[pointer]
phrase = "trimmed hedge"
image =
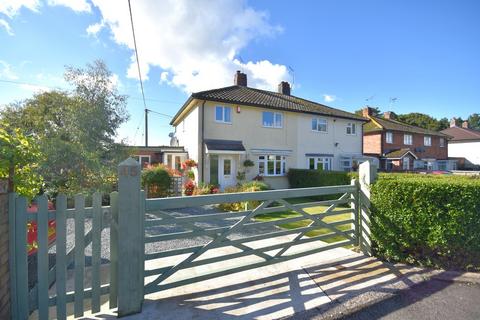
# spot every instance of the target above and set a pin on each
(157, 179)
(305, 178)
(428, 220)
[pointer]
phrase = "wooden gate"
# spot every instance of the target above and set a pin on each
(226, 224)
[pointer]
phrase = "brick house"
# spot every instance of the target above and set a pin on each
(171, 156)
(403, 147)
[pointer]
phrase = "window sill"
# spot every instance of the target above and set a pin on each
(272, 127)
(222, 122)
(317, 131)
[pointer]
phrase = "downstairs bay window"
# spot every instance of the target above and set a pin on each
(271, 165)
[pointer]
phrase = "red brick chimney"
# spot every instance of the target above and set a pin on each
(389, 115)
(284, 88)
(453, 122)
(366, 112)
(465, 124)
(240, 79)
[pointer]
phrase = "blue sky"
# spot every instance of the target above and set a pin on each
(424, 53)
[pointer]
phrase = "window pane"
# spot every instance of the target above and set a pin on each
(270, 166)
(314, 124)
(227, 167)
(214, 169)
(228, 114)
(349, 129)
(311, 163)
(219, 113)
(261, 166)
(268, 119)
(169, 161)
(353, 128)
(278, 120)
(278, 166)
(322, 125)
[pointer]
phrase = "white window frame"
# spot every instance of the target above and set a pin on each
(405, 140)
(263, 161)
(317, 125)
(223, 114)
(429, 139)
(353, 129)
(389, 137)
(274, 123)
(140, 156)
(442, 142)
(322, 160)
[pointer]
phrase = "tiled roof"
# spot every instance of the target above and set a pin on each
(461, 134)
(224, 145)
(267, 99)
(394, 125)
(398, 154)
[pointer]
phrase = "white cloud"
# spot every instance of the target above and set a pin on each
(329, 98)
(11, 7)
(75, 5)
(5, 25)
(34, 88)
(195, 41)
(6, 71)
(95, 28)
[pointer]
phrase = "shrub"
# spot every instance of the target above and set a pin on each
(430, 220)
(205, 189)
(305, 178)
(189, 188)
(251, 186)
(157, 180)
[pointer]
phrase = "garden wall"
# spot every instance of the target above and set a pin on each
(429, 220)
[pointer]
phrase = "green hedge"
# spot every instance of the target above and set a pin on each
(304, 178)
(429, 220)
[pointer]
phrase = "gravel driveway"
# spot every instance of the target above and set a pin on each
(156, 230)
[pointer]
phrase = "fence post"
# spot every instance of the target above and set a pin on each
(5, 263)
(130, 239)
(354, 205)
(367, 175)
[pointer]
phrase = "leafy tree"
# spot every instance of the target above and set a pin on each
(19, 156)
(376, 112)
(474, 121)
(421, 120)
(75, 130)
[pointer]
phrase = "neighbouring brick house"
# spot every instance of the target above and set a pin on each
(171, 156)
(403, 147)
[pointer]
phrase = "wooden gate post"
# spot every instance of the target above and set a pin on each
(130, 239)
(367, 175)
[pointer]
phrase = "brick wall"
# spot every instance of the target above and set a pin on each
(433, 152)
(4, 268)
(372, 143)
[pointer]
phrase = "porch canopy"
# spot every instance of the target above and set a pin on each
(399, 154)
(217, 146)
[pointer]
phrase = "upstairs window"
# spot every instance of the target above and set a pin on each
(351, 128)
(442, 142)
(319, 125)
(427, 141)
(223, 114)
(389, 137)
(272, 119)
(407, 139)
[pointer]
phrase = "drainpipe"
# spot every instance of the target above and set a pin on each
(202, 141)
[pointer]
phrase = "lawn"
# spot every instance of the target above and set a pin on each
(303, 223)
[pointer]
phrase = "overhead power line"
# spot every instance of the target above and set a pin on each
(139, 73)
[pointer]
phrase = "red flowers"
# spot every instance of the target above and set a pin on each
(189, 187)
(32, 230)
(188, 164)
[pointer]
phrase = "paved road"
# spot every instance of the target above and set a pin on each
(434, 299)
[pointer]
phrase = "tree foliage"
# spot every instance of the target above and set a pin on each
(423, 121)
(75, 130)
(19, 156)
(474, 121)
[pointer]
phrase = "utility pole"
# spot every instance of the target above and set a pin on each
(146, 127)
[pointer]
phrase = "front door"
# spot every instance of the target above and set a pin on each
(226, 171)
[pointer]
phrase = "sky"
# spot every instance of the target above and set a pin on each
(404, 56)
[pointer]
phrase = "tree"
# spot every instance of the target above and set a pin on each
(19, 156)
(376, 112)
(474, 121)
(421, 120)
(75, 130)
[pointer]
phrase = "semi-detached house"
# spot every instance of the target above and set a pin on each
(221, 128)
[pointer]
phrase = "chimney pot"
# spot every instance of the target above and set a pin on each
(284, 88)
(453, 122)
(390, 115)
(240, 79)
(465, 124)
(366, 112)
